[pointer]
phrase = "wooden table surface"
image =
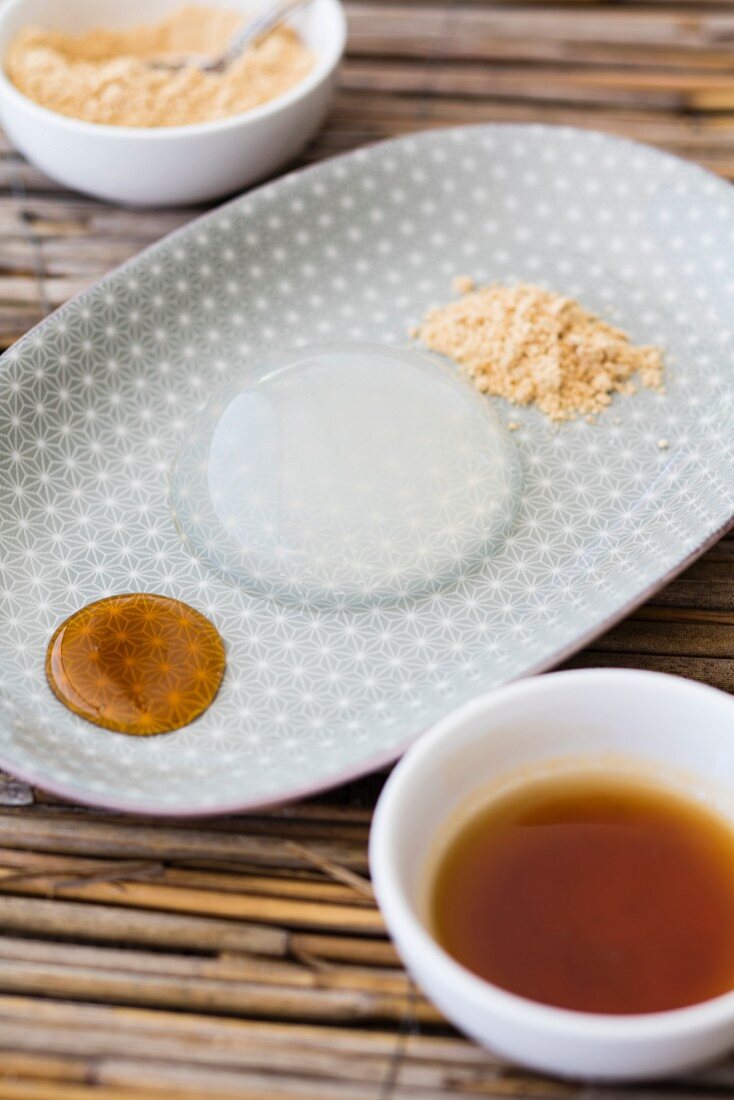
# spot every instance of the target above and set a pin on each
(245, 957)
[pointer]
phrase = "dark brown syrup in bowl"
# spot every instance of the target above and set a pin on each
(591, 893)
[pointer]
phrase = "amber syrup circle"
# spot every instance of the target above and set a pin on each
(138, 663)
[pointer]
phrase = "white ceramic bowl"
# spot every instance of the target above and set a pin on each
(166, 166)
(680, 732)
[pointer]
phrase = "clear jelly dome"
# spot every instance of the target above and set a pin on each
(346, 475)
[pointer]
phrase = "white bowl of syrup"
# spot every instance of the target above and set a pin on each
(555, 862)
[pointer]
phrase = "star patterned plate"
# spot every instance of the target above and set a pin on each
(97, 401)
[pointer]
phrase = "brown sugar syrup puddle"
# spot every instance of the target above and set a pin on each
(137, 663)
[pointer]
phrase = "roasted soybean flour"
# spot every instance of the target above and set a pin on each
(106, 76)
(533, 346)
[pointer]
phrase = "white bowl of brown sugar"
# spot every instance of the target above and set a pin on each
(80, 98)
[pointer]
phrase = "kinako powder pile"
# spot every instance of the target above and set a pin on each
(104, 76)
(532, 346)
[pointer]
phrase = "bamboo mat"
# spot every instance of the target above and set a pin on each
(245, 957)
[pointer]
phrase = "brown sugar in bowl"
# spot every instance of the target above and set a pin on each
(167, 165)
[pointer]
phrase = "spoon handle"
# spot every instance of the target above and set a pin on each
(261, 24)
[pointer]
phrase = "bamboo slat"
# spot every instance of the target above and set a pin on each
(684, 90)
(49, 829)
(492, 32)
(162, 898)
(61, 920)
(245, 958)
(717, 672)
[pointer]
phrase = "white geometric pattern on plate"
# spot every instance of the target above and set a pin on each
(97, 402)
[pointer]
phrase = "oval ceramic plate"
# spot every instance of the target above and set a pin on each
(96, 403)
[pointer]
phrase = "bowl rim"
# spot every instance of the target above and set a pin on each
(394, 805)
(325, 65)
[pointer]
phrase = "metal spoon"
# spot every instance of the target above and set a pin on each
(255, 28)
